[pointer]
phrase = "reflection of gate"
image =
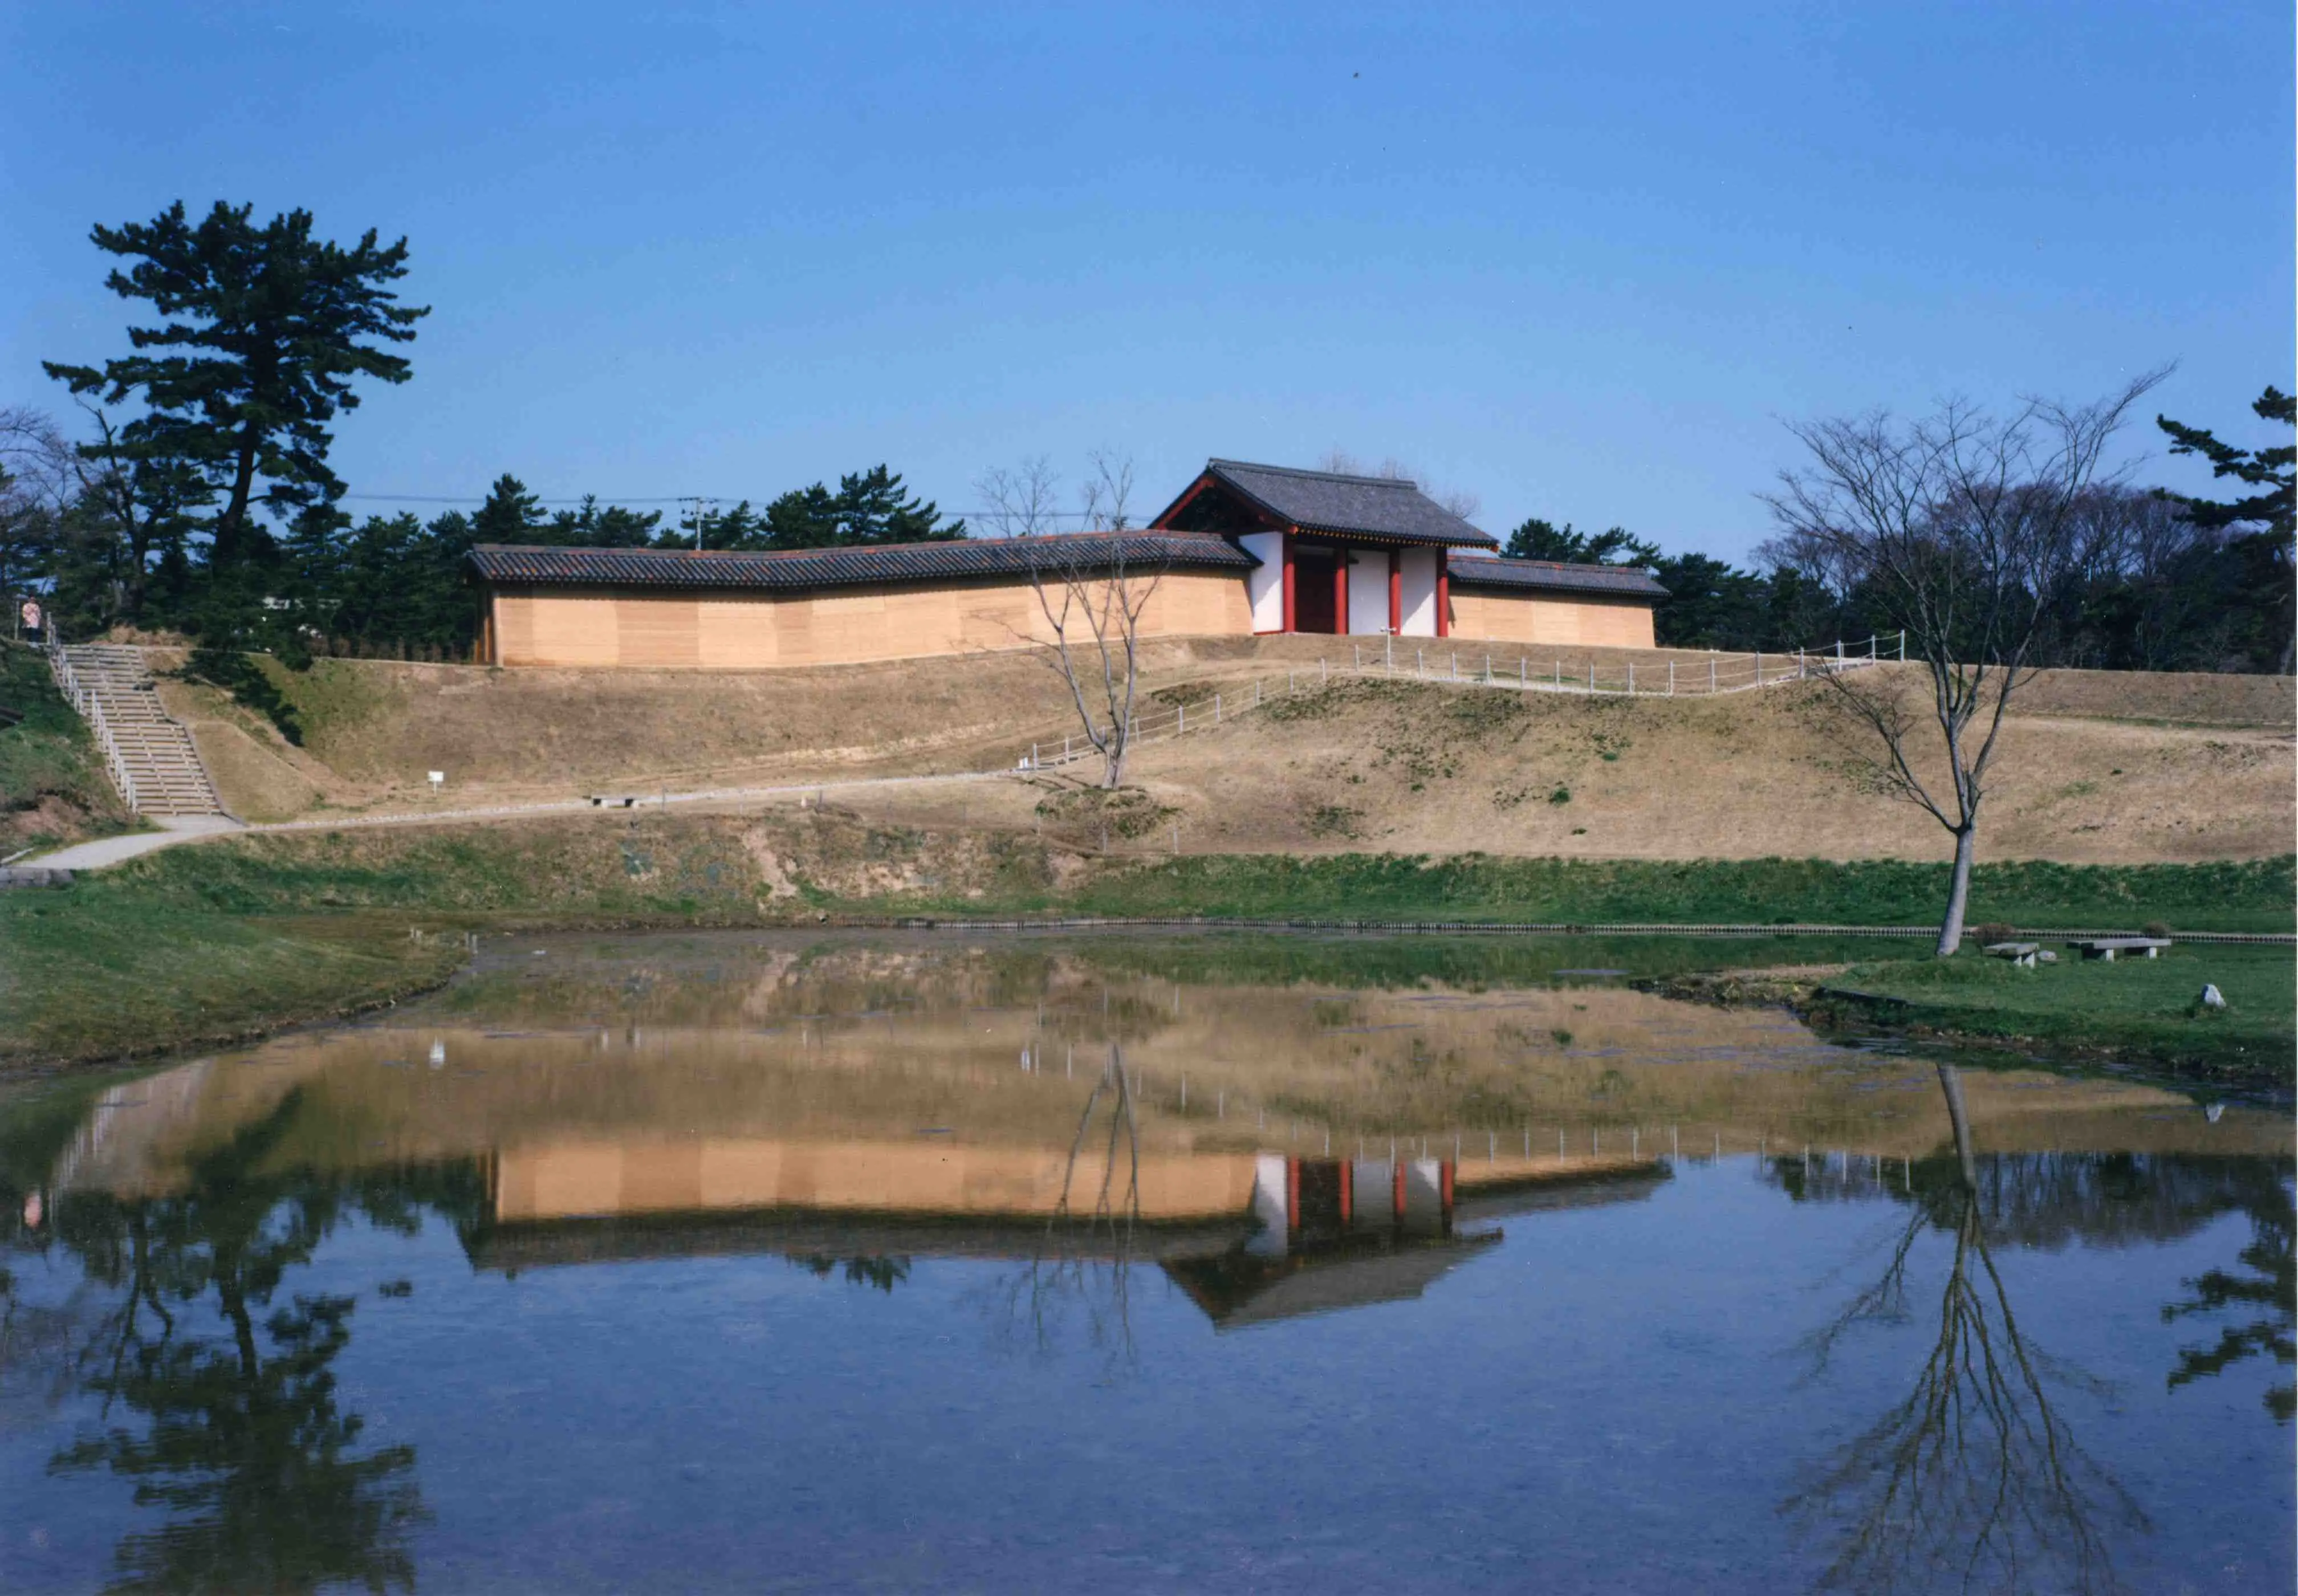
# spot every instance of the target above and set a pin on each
(1336, 1199)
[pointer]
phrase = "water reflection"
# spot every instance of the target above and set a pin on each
(1974, 1479)
(214, 1375)
(1108, 1167)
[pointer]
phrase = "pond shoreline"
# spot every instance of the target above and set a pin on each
(1832, 1010)
(1844, 1012)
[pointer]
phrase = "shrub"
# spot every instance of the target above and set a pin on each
(1992, 932)
(2154, 928)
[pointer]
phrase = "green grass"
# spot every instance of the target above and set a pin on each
(52, 786)
(196, 944)
(106, 975)
(2222, 897)
(2142, 1010)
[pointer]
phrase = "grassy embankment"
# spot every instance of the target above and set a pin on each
(53, 786)
(200, 944)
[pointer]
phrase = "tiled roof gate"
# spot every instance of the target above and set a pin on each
(1389, 508)
(804, 569)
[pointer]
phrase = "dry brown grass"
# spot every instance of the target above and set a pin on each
(2097, 768)
(1420, 769)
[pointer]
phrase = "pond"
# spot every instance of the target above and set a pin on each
(773, 1261)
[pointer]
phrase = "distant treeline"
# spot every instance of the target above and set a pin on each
(2158, 582)
(397, 586)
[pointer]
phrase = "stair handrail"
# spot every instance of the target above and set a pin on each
(82, 697)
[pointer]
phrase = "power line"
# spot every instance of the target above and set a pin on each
(606, 502)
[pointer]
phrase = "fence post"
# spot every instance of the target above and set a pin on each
(1839, 650)
(1455, 665)
(1033, 755)
(1631, 678)
(1356, 657)
(1523, 672)
(1488, 670)
(1560, 675)
(1711, 674)
(1759, 667)
(1874, 644)
(1216, 709)
(1591, 676)
(1181, 724)
(1670, 678)
(1903, 645)
(1321, 674)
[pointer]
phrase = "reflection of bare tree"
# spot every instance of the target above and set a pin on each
(1085, 1260)
(1974, 1477)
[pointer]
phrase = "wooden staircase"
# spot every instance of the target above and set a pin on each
(151, 758)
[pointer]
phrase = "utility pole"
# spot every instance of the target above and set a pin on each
(701, 509)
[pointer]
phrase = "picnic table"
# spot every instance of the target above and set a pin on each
(2107, 947)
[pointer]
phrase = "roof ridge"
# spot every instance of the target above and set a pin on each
(1369, 481)
(1553, 564)
(829, 549)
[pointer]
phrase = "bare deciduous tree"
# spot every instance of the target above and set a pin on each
(1091, 590)
(1964, 528)
(1461, 503)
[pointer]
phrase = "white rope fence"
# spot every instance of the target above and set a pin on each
(1449, 666)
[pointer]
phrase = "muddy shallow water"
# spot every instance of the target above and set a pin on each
(856, 1261)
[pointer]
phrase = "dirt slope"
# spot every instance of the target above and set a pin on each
(2096, 767)
(1405, 767)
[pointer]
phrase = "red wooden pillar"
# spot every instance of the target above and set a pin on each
(1293, 1193)
(1396, 591)
(1448, 1186)
(1443, 594)
(1396, 1199)
(1288, 582)
(1341, 591)
(1348, 1194)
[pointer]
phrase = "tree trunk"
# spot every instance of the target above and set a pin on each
(229, 525)
(1958, 895)
(1959, 1118)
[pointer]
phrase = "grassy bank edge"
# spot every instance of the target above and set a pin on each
(222, 943)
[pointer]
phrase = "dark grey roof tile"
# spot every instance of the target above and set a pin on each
(1381, 507)
(1515, 574)
(799, 569)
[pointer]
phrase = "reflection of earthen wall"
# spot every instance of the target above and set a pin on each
(744, 631)
(1587, 623)
(572, 1179)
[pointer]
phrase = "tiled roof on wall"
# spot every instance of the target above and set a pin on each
(797, 569)
(1381, 506)
(1514, 576)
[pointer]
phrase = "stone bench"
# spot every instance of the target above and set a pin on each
(2107, 947)
(612, 800)
(2025, 955)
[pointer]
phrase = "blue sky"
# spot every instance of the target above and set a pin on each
(1579, 261)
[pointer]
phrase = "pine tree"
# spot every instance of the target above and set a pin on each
(263, 330)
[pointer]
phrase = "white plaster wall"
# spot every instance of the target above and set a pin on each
(1418, 579)
(1264, 588)
(1270, 1191)
(1368, 590)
